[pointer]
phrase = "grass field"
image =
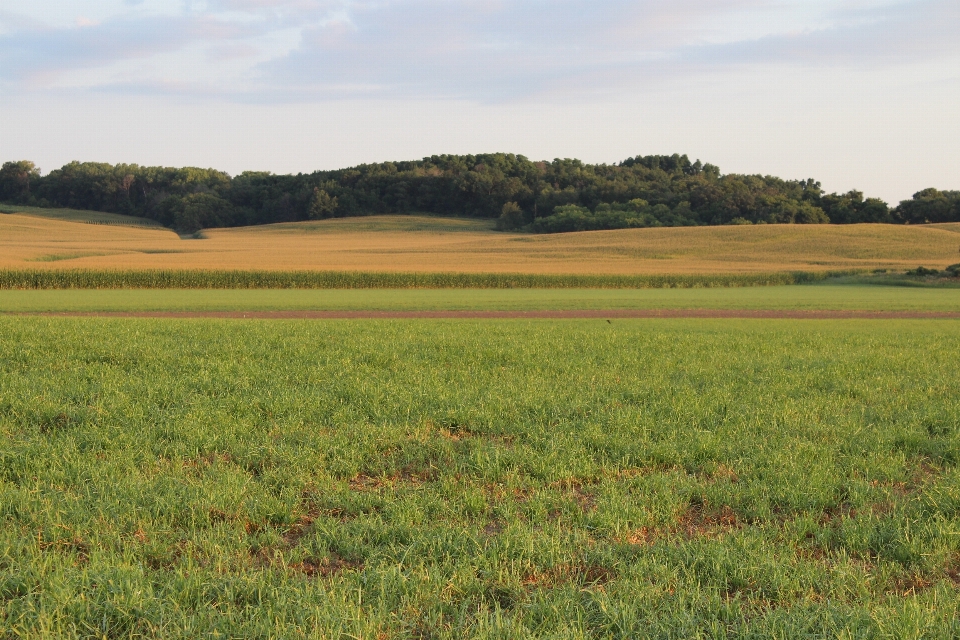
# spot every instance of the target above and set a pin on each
(424, 244)
(844, 297)
(451, 479)
(464, 478)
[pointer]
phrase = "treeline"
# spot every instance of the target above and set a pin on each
(563, 195)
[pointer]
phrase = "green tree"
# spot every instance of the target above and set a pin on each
(851, 208)
(673, 191)
(15, 179)
(930, 205)
(511, 217)
(201, 210)
(808, 214)
(322, 205)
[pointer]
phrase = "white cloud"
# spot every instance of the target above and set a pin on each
(483, 50)
(858, 93)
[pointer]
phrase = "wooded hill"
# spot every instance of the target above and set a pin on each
(562, 195)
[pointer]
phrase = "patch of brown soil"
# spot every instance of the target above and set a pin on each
(953, 570)
(724, 473)
(523, 494)
(575, 488)
(696, 522)
(365, 482)
(72, 543)
(299, 529)
(568, 573)
(814, 553)
(645, 536)
(327, 567)
(700, 521)
(197, 466)
(835, 514)
(218, 515)
(332, 565)
(910, 585)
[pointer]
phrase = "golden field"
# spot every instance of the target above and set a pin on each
(428, 244)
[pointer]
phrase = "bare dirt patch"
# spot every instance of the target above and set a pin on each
(327, 567)
(568, 573)
(699, 521)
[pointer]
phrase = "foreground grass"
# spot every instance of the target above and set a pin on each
(448, 479)
(870, 298)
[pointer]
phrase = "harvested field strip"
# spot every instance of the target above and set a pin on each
(797, 314)
(436, 245)
(195, 279)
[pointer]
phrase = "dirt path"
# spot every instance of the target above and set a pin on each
(800, 314)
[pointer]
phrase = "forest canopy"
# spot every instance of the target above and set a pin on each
(542, 197)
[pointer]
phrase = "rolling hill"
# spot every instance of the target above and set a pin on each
(430, 244)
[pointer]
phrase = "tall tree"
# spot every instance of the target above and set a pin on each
(15, 179)
(322, 205)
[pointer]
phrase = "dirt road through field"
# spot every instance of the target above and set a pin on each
(609, 314)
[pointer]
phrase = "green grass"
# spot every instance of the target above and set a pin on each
(392, 222)
(57, 257)
(783, 297)
(80, 215)
(944, 280)
(195, 279)
(452, 479)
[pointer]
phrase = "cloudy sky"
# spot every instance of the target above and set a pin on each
(858, 93)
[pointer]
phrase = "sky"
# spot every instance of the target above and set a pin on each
(859, 94)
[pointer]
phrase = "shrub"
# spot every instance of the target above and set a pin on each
(922, 271)
(511, 217)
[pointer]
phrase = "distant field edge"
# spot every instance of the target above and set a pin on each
(221, 279)
(565, 314)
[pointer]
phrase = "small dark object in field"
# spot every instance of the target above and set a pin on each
(923, 271)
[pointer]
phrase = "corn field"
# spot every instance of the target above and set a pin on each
(193, 279)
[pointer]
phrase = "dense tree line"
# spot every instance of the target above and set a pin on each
(563, 195)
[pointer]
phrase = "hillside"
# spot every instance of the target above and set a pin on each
(429, 244)
(80, 215)
(562, 195)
